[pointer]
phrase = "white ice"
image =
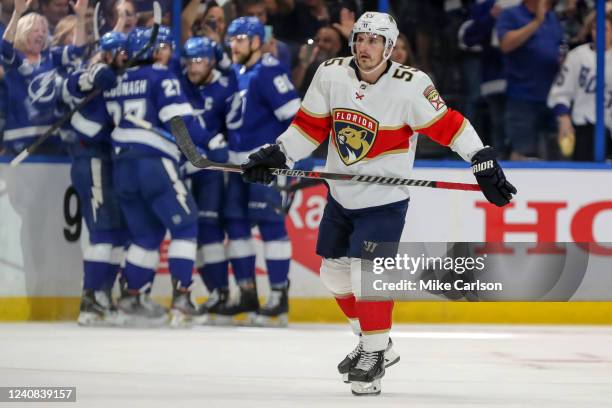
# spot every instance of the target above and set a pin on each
(441, 366)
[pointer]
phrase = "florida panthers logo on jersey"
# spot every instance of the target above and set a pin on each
(354, 134)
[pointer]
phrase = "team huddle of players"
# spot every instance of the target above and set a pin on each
(134, 186)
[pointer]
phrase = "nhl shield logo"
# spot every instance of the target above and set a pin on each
(354, 134)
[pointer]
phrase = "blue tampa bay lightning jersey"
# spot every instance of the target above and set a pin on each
(269, 104)
(92, 124)
(34, 90)
(216, 105)
(152, 93)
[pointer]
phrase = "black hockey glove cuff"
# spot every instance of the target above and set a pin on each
(256, 170)
(491, 178)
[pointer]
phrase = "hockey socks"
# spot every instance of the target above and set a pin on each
(374, 316)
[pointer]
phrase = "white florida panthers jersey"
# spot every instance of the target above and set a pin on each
(574, 89)
(373, 128)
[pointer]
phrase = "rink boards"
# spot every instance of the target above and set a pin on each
(40, 235)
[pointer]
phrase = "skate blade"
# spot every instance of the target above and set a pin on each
(90, 319)
(180, 320)
(221, 320)
(143, 322)
(360, 389)
(281, 320)
(391, 358)
(245, 319)
(345, 378)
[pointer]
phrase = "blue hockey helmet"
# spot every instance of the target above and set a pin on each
(199, 47)
(249, 26)
(113, 42)
(137, 39)
(164, 36)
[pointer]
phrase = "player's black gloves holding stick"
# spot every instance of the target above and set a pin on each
(256, 170)
(491, 178)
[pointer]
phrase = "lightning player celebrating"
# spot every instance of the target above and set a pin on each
(372, 107)
(152, 196)
(217, 104)
(92, 177)
(270, 102)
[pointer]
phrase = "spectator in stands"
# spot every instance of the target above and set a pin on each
(278, 48)
(326, 45)
(203, 19)
(64, 31)
(530, 37)
(402, 53)
(572, 97)
(296, 21)
(480, 32)
(54, 10)
(30, 69)
(120, 16)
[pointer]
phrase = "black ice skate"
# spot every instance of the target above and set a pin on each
(366, 375)
(208, 310)
(182, 311)
(97, 309)
(274, 312)
(248, 303)
(391, 357)
(138, 309)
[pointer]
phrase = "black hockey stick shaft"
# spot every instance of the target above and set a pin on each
(189, 149)
(61, 121)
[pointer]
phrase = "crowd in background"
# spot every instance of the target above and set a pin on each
(493, 60)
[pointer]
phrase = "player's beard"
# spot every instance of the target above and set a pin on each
(244, 58)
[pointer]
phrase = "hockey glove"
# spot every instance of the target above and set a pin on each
(98, 76)
(217, 149)
(491, 178)
(257, 169)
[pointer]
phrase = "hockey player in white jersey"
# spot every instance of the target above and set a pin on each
(572, 97)
(371, 109)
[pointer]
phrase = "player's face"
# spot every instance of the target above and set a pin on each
(120, 59)
(198, 70)
(369, 50)
(241, 49)
(163, 53)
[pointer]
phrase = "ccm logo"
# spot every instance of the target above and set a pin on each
(545, 225)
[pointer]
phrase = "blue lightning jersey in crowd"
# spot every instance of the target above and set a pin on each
(269, 104)
(33, 91)
(217, 105)
(92, 124)
(152, 93)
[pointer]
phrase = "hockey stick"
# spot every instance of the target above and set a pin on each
(96, 22)
(131, 62)
(145, 124)
(189, 149)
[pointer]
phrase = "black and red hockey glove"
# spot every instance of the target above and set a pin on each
(491, 178)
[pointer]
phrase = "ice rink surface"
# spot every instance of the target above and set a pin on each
(441, 366)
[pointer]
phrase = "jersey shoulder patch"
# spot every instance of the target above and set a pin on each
(269, 60)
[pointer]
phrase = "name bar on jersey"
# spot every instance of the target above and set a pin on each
(128, 88)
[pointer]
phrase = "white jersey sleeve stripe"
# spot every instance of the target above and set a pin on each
(288, 110)
(175, 109)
